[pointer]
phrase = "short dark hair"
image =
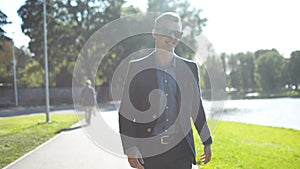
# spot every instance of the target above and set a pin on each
(167, 16)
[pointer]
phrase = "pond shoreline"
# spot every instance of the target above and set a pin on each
(237, 95)
(275, 112)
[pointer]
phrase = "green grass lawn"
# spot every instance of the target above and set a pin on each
(19, 135)
(237, 145)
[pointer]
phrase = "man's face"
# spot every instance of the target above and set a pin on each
(167, 35)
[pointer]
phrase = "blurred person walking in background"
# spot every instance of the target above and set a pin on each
(88, 100)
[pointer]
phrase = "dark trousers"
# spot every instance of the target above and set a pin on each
(88, 114)
(179, 157)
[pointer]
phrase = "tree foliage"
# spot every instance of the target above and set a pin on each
(69, 23)
(6, 66)
(269, 70)
(263, 69)
(294, 67)
(3, 21)
(210, 70)
(6, 62)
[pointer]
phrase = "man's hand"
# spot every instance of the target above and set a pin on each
(135, 160)
(206, 156)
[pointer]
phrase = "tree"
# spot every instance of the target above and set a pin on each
(234, 73)
(247, 71)
(5, 53)
(32, 15)
(3, 21)
(240, 70)
(212, 71)
(6, 66)
(137, 43)
(269, 70)
(260, 52)
(33, 74)
(70, 23)
(294, 67)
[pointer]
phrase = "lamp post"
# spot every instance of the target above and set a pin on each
(46, 64)
(15, 72)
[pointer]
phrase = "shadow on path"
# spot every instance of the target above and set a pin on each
(70, 129)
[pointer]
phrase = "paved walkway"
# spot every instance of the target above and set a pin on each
(97, 146)
(73, 149)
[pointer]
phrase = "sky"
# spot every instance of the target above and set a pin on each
(233, 26)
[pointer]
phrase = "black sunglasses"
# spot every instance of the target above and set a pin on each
(169, 33)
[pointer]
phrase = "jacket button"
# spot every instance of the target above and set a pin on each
(149, 130)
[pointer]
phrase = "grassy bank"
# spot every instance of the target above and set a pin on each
(19, 135)
(238, 145)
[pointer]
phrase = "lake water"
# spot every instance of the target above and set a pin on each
(280, 112)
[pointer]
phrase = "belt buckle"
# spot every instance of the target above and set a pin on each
(162, 139)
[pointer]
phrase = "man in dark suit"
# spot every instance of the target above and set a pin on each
(88, 100)
(161, 95)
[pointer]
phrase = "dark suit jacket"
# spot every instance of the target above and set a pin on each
(88, 97)
(136, 112)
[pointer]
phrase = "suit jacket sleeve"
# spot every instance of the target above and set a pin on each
(126, 119)
(198, 115)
